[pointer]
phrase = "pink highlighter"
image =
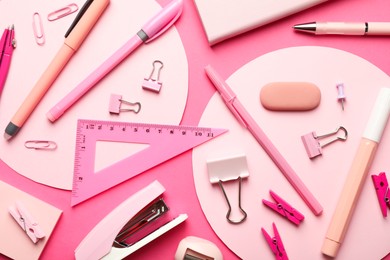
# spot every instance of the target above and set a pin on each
(357, 174)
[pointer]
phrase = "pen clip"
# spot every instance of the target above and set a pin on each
(78, 17)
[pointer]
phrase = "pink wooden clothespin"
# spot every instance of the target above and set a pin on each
(26, 222)
(382, 191)
(314, 147)
(275, 243)
(284, 209)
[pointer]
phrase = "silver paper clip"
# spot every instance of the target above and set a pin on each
(62, 12)
(153, 84)
(115, 105)
(40, 145)
(39, 34)
(313, 146)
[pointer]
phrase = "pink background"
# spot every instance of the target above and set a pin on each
(177, 175)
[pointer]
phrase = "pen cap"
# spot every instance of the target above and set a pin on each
(379, 116)
(85, 20)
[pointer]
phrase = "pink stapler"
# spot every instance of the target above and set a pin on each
(22, 216)
(275, 243)
(382, 191)
(284, 209)
(137, 221)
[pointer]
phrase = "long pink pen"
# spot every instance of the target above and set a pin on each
(151, 30)
(248, 122)
(9, 43)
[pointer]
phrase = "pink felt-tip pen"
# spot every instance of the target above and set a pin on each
(357, 174)
(249, 123)
(151, 30)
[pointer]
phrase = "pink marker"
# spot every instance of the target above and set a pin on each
(357, 174)
(248, 122)
(152, 29)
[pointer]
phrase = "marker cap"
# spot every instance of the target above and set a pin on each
(379, 116)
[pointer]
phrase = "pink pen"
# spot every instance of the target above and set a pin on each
(248, 122)
(150, 31)
(8, 45)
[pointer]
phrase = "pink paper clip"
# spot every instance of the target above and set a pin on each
(275, 243)
(312, 145)
(382, 191)
(62, 12)
(284, 209)
(116, 102)
(40, 145)
(153, 84)
(26, 222)
(39, 34)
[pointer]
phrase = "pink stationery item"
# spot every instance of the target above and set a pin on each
(361, 164)
(7, 46)
(197, 248)
(164, 142)
(229, 169)
(382, 191)
(340, 94)
(153, 83)
(116, 102)
(155, 27)
(313, 146)
(284, 209)
(290, 96)
(62, 12)
(109, 238)
(225, 19)
(27, 222)
(275, 243)
(345, 28)
(247, 121)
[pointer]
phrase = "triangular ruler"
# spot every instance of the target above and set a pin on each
(165, 142)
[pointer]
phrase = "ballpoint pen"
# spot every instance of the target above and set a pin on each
(248, 122)
(343, 28)
(7, 44)
(156, 26)
(74, 37)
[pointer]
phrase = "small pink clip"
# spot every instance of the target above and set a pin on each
(382, 191)
(313, 146)
(116, 102)
(284, 209)
(40, 145)
(62, 12)
(26, 222)
(153, 84)
(39, 34)
(275, 243)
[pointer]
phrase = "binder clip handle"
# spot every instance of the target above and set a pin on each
(337, 138)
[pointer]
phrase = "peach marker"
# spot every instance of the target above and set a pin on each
(357, 174)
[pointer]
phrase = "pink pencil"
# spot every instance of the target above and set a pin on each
(248, 122)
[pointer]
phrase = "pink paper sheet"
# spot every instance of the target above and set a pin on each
(324, 176)
(55, 168)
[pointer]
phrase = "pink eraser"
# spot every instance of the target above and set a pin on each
(290, 96)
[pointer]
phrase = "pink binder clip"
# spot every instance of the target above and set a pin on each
(382, 191)
(26, 222)
(275, 243)
(313, 146)
(151, 83)
(284, 209)
(116, 102)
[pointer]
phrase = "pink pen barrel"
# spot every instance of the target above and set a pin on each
(80, 90)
